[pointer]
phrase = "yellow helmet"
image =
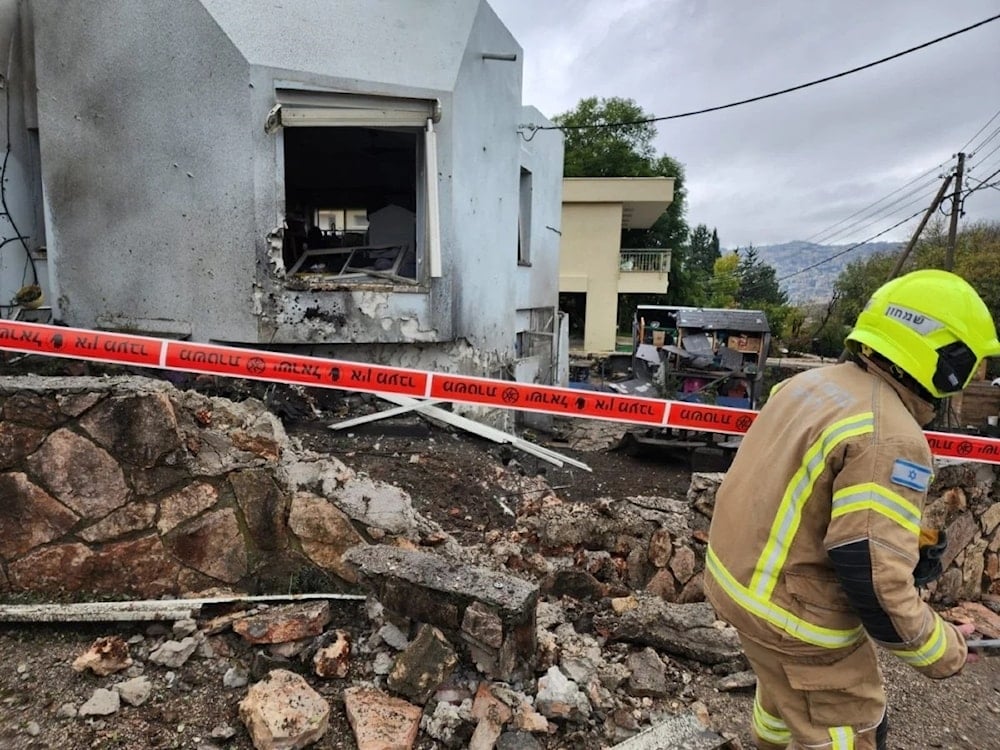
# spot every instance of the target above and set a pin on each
(932, 325)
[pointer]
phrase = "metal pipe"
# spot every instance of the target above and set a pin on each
(983, 643)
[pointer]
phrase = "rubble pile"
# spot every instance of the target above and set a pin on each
(287, 666)
(582, 625)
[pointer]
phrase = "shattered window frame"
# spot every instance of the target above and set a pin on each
(403, 248)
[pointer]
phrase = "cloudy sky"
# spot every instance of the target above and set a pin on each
(799, 165)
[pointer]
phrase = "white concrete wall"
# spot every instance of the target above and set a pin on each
(21, 181)
(147, 153)
(161, 184)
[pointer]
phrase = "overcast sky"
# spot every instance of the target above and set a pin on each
(793, 166)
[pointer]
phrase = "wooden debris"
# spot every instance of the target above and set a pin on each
(476, 428)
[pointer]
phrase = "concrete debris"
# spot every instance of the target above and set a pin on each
(680, 733)
(744, 680)
(576, 620)
(688, 630)
(101, 703)
(282, 712)
(291, 622)
(105, 656)
(425, 664)
(426, 588)
(381, 721)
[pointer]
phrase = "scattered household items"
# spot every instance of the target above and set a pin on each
(699, 355)
(705, 355)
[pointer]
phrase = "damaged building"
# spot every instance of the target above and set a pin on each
(341, 176)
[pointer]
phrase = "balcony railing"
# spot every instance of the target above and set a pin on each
(644, 261)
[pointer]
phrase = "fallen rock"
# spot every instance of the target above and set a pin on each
(380, 721)
(105, 656)
(103, 702)
(423, 666)
(173, 654)
(291, 622)
(689, 630)
(136, 691)
(334, 660)
(282, 712)
(737, 681)
(560, 698)
(649, 674)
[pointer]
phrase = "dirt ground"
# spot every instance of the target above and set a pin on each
(451, 483)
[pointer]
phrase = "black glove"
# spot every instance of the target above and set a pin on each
(929, 568)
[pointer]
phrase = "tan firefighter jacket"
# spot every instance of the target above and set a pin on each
(815, 531)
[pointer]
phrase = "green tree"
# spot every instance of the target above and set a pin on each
(596, 145)
(759, 289)
(703, 250)
(977, 260)
(725, 281)
(858, 280)
(758, 281)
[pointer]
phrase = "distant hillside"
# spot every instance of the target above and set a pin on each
(815, 284)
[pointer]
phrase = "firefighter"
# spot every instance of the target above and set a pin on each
(815, 532)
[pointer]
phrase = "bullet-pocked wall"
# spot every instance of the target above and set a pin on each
(169, 203)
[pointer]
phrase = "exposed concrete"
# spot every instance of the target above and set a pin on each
(490, 613)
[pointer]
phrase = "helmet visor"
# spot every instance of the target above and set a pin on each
(955, 365)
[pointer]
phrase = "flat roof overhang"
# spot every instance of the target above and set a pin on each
(643, 199)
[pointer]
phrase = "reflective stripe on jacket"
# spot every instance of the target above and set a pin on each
(836, 460)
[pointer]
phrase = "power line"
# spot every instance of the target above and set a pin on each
(982, 184)
(987, 156)
(738, 275)
(901, 203)
(982, 144)
(852, 247)
(966, 146)
(773, 94)
(828, 232)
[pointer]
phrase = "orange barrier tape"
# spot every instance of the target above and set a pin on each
(292, 368)
(145, 351)
(548, 399)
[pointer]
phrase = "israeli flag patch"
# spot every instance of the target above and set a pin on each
(909, 474)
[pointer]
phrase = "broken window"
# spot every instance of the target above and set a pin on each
(360, 187)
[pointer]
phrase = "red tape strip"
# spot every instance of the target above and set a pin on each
(145, 351)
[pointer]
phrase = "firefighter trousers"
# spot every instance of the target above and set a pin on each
(804, 705)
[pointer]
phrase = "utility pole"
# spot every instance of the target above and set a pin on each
(923, 223)
(956, 203)
(913, 241)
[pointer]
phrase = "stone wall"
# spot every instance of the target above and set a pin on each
(962, 501)
(131, 487)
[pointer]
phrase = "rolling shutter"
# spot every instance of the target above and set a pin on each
(322, 110)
